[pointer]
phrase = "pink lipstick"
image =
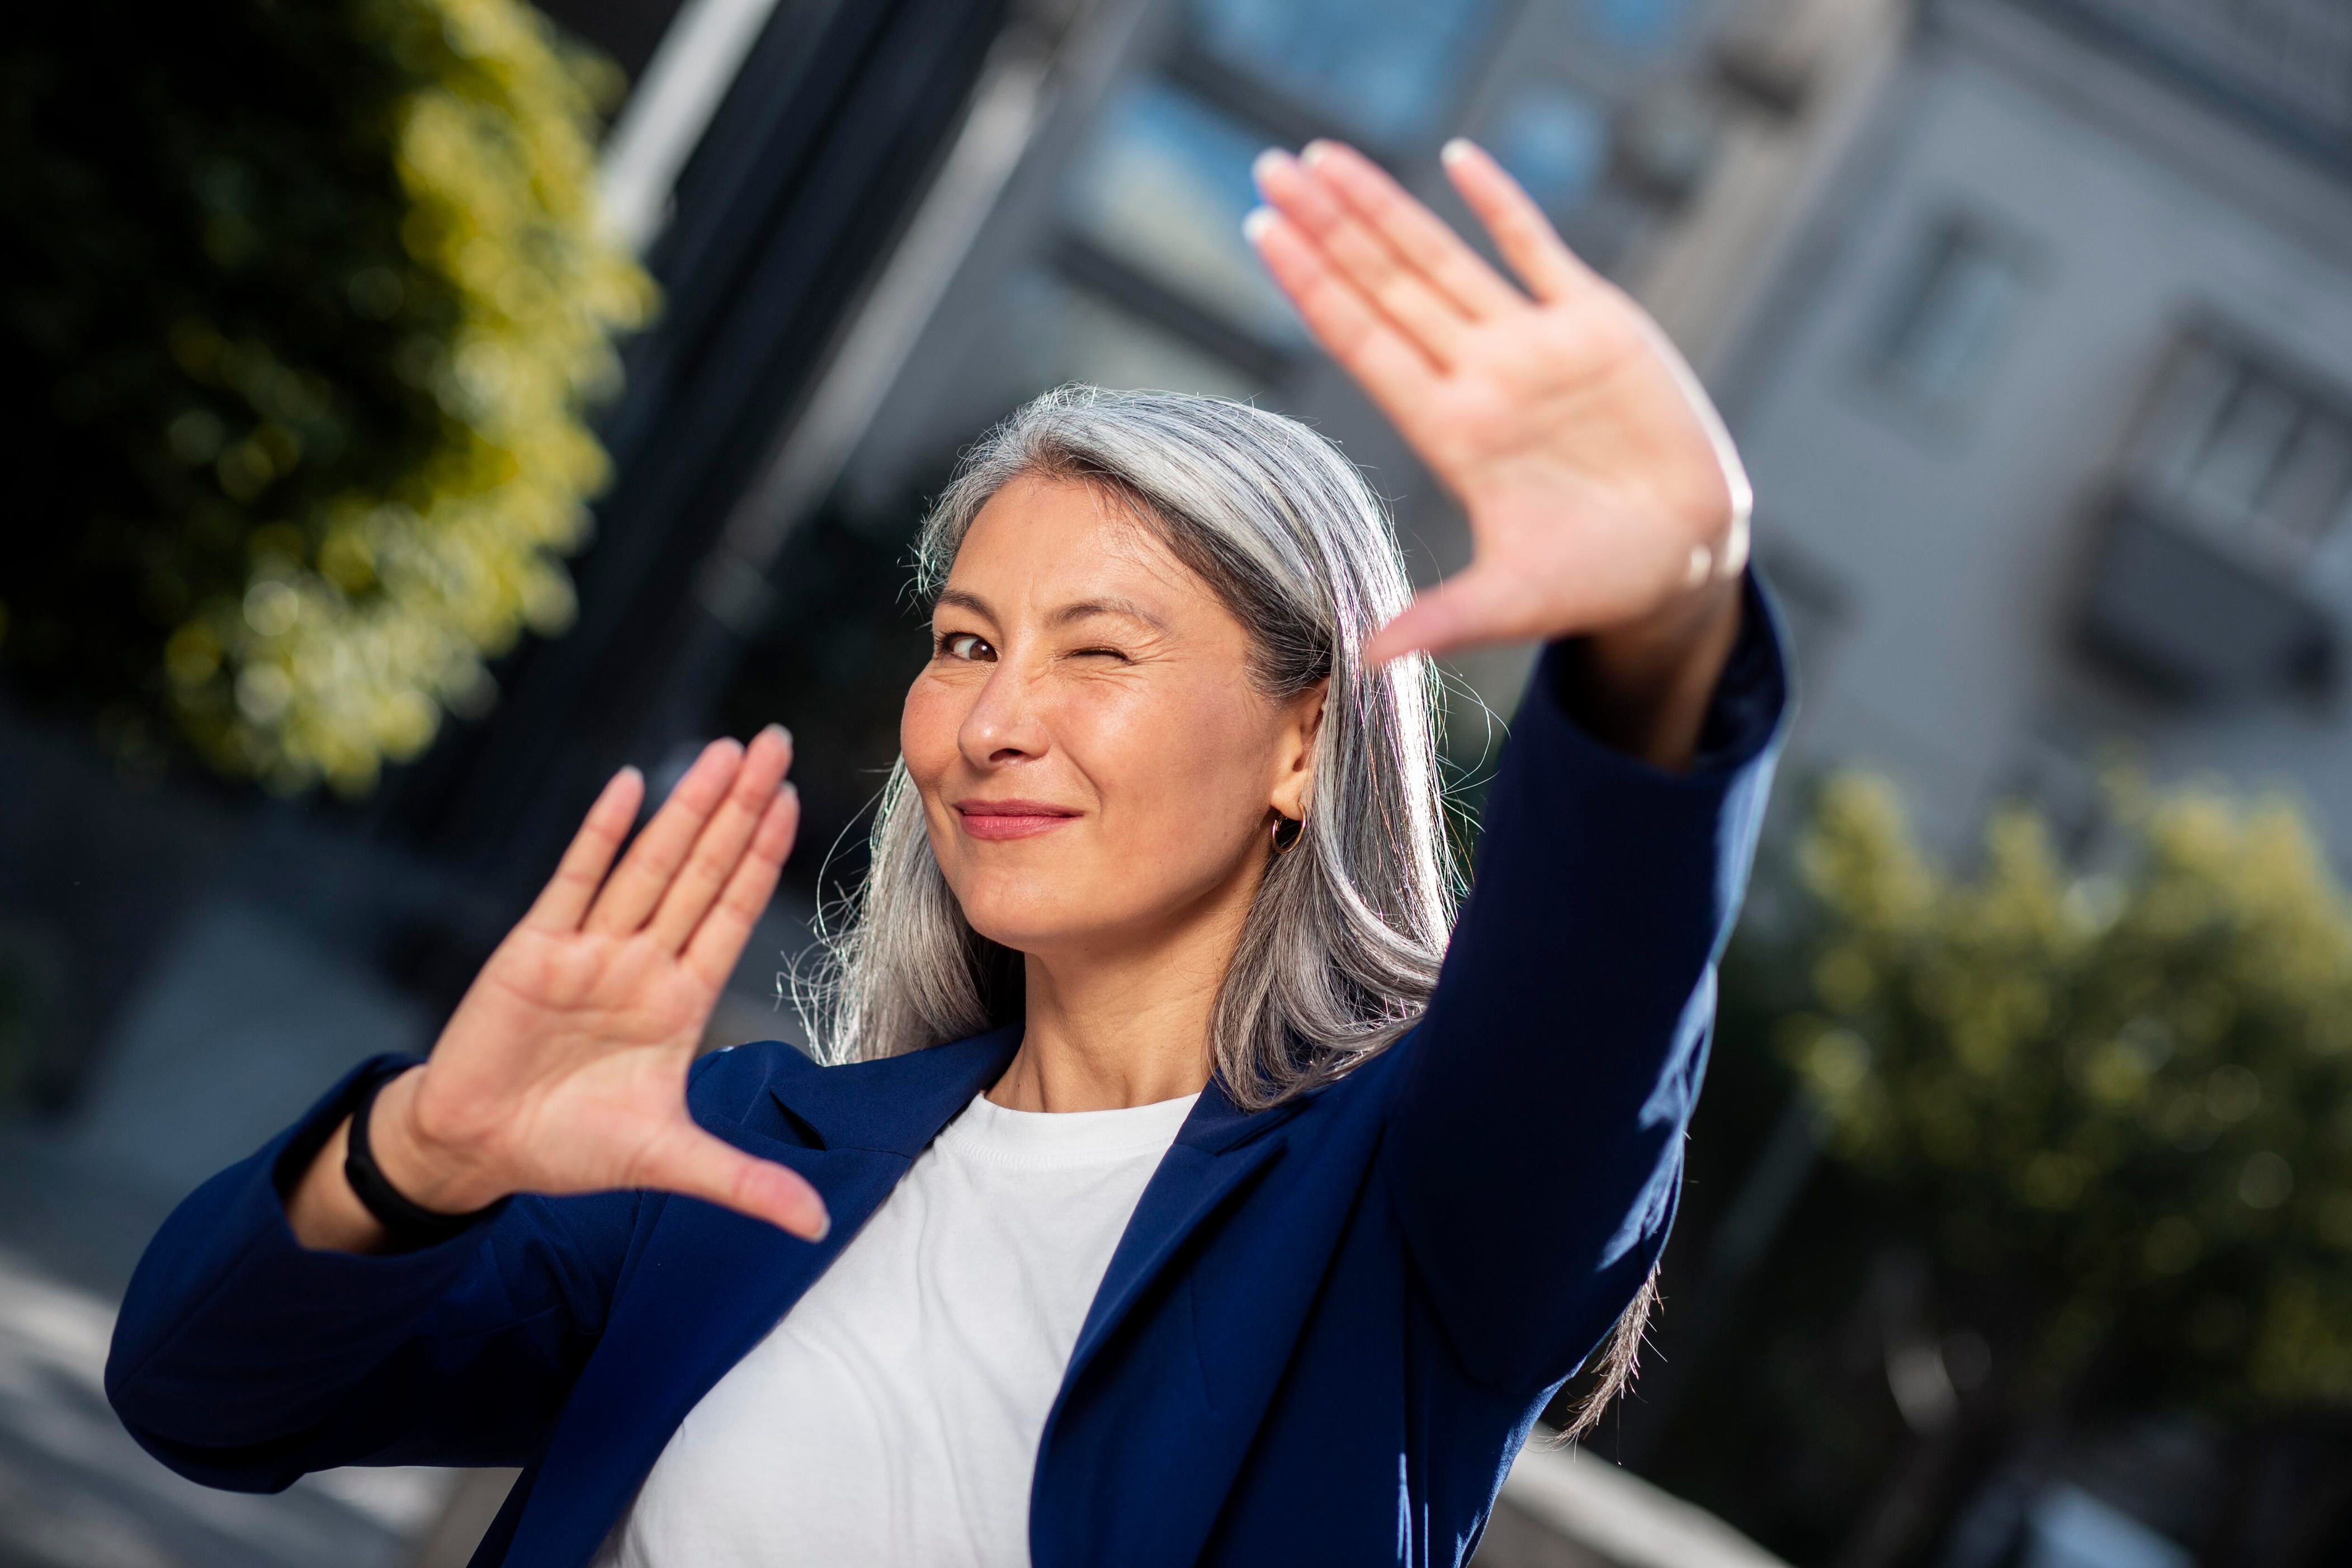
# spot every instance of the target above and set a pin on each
(1011, 818)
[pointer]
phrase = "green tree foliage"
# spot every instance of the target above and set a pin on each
(302, 303)
(2128, 1096)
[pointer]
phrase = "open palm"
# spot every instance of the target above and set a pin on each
(1598, 480)
(563, 1069)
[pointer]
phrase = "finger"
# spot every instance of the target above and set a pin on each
(1419, 237)
(1525, 237)
(691, 1162)
(718, 940)
(1471, 607)
(720, 846)
(565, 900)
(1398, 375)
(647, 869)
(1403, 293)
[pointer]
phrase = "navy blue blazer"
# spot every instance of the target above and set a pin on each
(1322, 1338)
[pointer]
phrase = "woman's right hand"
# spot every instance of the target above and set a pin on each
(563, 1069)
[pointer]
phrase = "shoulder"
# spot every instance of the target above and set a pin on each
(1367, 1088)
(730, 1080)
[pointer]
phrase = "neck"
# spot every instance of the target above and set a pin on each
(1114, 1025)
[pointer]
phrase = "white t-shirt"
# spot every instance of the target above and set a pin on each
(891, 1419)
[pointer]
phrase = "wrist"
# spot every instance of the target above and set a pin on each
(433, 1173)
(1644, 685)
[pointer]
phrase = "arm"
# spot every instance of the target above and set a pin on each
(243, 1359)
(274, 1327)
(1536, 1151)
(1536, 1147)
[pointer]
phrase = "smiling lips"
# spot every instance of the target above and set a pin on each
(1011, 818)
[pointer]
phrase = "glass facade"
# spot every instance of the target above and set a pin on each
(1386, 70)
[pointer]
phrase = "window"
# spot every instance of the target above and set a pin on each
(1385, 69)
(1555, 142)
(1639, 25)
(1162, 189)
(2235, 493)
(1936, 347)
(2247, 450)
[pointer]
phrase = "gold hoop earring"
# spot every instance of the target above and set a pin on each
(1285, 843)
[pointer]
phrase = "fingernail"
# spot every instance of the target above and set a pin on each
(1266, 162)
(1255, 225)
(1314, 151)
(1453, 151)
(824, 1227)
(780, 733)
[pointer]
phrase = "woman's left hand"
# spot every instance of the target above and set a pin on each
(1605, 498)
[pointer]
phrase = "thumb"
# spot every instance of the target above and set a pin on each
(1473, 606)
(697, 1165)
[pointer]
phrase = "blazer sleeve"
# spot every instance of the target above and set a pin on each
(1534, 1149)
(242, 1359)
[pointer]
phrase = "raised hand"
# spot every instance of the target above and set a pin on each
(563, 1069)
(1602, 493)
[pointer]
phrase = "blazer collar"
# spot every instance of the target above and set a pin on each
(894, 1104)
(710, 1283)
(897, 1104)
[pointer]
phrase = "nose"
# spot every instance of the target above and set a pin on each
(1005, 724)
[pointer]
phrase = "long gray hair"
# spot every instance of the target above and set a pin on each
(1340, 949)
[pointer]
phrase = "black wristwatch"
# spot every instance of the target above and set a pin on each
(408, 1223)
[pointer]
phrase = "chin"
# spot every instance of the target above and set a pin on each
(1019, 913)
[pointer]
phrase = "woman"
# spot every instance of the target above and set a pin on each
(1169, 1203)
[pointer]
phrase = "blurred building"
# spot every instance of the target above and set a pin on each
(2050, 410)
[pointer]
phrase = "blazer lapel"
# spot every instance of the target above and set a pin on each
(710, 1283)
(1218, 1148)
(1141, 1389)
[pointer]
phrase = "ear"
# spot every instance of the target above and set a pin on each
(1293, 772)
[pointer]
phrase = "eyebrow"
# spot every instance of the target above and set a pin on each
(1065, 615)
(961, 600)
(1085, 608)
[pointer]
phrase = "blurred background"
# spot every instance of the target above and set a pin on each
(427, 406)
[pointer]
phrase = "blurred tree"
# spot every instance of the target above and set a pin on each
(2121, 1102)
(300, 305)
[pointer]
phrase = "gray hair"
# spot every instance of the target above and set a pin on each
(1340, 949)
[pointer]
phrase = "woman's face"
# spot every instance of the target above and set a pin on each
(1096, 768)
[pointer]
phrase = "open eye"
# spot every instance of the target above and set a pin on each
(968, 645)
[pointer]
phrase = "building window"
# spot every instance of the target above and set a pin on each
(1555, 140)
(1637, 25)
(1161, 190)
(2234, 495)
(1387, 69)
(2252, 453)
(1937, 346)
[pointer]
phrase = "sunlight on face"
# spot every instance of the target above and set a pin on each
(1096, 768)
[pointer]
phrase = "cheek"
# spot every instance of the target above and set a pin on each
(928, 725)
(1186, 769)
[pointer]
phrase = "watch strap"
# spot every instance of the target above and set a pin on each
(409, 1224)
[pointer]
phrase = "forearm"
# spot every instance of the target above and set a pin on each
(1536, 1145)
(326, 1215)
(234, 1331)
(1644, 689)
(243, 1357)
(322, 1211)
